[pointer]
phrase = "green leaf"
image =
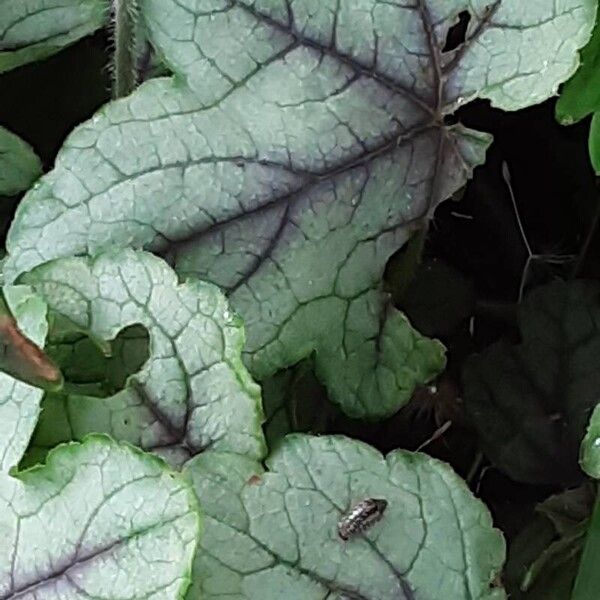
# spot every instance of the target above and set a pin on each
(580, 96)
(569, 508)
(523, 550)
(99, 520)
(310, 142)
(590, 446)
(530, 403)
(543, 557)
(587, 581)
(594, 142)
(192, 393)
(19, 165)
(274, 535)
(36, 29)
(19, 401)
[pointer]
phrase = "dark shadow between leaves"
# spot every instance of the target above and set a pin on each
(94, 367)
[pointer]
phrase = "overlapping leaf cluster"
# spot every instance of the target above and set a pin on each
(297, 147)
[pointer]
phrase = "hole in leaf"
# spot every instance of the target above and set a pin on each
(450, 120)
(97, 368)
(458, 32)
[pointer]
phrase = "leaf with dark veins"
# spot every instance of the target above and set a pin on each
(192, 393)
(308, 142)
(20, 401)
(273, 534)
(98, 520)
(35, 29)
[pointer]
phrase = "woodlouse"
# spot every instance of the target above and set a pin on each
(362, 516)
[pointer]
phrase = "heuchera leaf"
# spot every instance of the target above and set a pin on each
(19, 165)
(309, 142)
(531, 403)
(192, 393)
(35, 29)
(23, 314)
(274, 535)
(98, 520)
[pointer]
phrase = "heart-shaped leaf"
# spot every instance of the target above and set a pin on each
(310, 141)
(531, 403)
(36, 29)
(274, 535)
(192, 393)
(19, 165)
(99, 520)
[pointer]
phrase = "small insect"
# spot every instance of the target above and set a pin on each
(361, 517)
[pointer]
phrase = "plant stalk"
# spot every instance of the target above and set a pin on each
(124, 59)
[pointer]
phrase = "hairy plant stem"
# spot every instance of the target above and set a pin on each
(124, 20)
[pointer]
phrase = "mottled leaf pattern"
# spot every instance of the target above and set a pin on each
(193, 392)
(274, 535)
(309, 141)
(98, 520)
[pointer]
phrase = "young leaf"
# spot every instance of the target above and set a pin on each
(274, 535)
(580, 96)
(36, 29)
(19, 401)
(19, 165)
(588, 577)
(193, 392)
(309, 144)
(98, 520)
(530, 403)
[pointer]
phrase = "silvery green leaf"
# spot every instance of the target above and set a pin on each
(98, 520)
(273, 534)
(193, 392)
(294, 152)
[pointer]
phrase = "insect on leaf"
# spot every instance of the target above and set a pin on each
(274, 534)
